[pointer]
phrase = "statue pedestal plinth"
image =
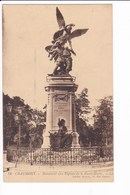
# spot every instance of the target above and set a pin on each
(75, 140)
(46, 140)
(61, 105)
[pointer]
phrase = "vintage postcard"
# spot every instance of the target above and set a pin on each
(57, 93)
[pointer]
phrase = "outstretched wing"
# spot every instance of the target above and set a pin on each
(47, 48)
(60, 18)
(78, 32)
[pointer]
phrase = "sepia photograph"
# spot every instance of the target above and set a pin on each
(57, 93)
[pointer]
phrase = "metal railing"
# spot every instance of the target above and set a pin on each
(74, 156)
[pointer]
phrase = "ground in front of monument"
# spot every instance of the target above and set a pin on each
(85, 173)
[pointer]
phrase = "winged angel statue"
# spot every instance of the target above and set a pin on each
(61, 48)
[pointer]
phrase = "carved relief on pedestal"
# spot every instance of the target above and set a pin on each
(61, 97)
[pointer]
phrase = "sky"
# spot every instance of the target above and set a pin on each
(28, 29)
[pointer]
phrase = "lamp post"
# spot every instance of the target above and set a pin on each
(18, 120)
(9, 110)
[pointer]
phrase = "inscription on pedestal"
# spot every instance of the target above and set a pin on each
(61, 109)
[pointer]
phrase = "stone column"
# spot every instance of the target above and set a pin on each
(71, 110)
(75, 140)
(46, 135)
(5, 156)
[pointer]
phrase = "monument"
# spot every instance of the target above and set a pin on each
(61, 131)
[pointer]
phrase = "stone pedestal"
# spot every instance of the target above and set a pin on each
(5, 157)
(61, 105)
(75, 141)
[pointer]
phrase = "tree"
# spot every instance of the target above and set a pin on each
(82, 108)
(104, 120)
(82, 105)
(11, 126)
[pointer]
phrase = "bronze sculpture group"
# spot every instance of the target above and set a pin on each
(61, 140)
(59, 51)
